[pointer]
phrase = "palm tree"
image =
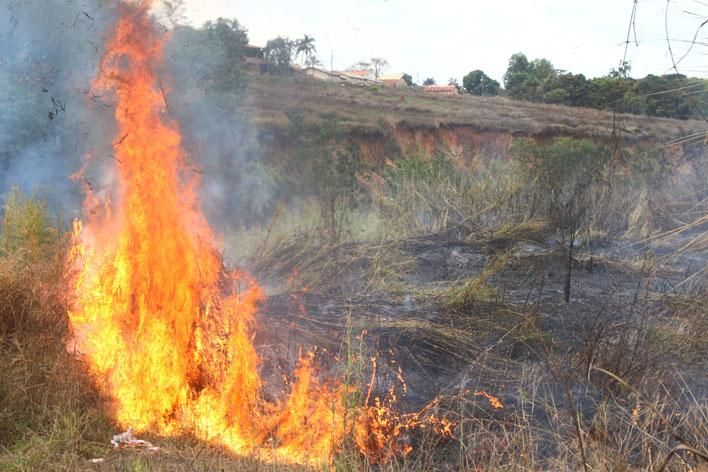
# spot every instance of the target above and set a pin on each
(306, 47)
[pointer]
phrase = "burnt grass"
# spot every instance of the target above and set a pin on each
(477, 315)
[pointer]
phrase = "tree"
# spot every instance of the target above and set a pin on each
(209, 57)
(478, 83)
(518, 64)
(375, 66)
(622, 72)
(378, 65)
(306, 47)
(326, 165)
(429, 81)
(524, 80)
(278, 54)
(564, 172)
(455, 83)
(408, 79)
(567, 89)
(656, 102)
(609, 92)
(229, 34)
(362, 65)
(173, 12)
(541, 69)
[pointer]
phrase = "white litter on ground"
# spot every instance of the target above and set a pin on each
(128, 439)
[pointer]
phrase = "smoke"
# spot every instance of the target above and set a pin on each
(50, 120)
(48, 54)
(237, 188)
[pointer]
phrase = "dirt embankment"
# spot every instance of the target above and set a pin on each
(464, 144)
(470, 147)
(388, 124)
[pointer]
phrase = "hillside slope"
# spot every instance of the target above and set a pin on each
(388, 123)
(362, 106)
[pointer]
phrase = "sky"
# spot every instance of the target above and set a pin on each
(447, 40)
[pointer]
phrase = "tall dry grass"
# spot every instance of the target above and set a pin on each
(50, 416)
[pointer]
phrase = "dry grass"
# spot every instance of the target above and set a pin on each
(50, 415)
(270, 96)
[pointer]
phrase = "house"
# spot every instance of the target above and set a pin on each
(254, 55)
(441, 89)
(335, 76)
(358, 77)
(360, 73)
(393, 80)
(322, 74)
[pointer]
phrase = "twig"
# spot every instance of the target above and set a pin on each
(679, 448)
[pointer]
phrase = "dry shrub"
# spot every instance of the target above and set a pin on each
(49, 411)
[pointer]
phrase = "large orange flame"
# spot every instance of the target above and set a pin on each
(165, 329)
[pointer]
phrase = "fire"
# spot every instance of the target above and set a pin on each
(382, 433)
(165, 328)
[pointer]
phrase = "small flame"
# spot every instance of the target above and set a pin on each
(382, 433)
(494, 402)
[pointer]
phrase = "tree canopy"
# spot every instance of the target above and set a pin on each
(563, 173)
(479, 83)
(279, 53)
(670, 95)
(306, 47)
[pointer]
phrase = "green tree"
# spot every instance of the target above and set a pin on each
(408, 79)
(662, 96)
(326, 165)
(567, 89)
(541, 69)
(226, 41)
(518, 64)
(278, 54)
(306, 47)
(622, 72)
(479, 83)
(608, 93)
(564, 173)
(524, 80)
(429, 81)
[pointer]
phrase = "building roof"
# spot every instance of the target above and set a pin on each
(344, 76)
(312, 69)
(385, 77)
(359, 73)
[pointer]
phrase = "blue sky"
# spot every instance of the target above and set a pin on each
(448, 39)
